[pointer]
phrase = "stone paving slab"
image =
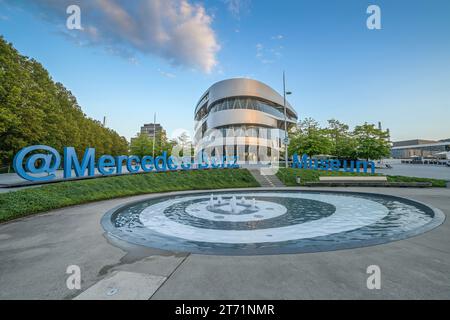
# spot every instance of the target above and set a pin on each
(123, 285)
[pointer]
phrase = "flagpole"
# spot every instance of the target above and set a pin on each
(154, 134)
(285, 123)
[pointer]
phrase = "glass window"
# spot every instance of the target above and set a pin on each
(251, 104)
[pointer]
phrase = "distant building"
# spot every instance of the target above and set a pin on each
(151, 129)
(421, 148)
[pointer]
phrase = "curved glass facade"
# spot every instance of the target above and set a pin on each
(254, 137)
(243, 130)
(251, 103)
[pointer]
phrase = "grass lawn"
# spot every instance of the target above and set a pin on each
(33, 200)
(287, 176)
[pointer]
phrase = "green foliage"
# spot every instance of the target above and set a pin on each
(372, 143)
(183, 145)
(141, 145)
(310, 139)
(438, 183)
(162, 143)
(366, 141)
(36, 110)
(28, 201)
(288, 176)
(342, 141)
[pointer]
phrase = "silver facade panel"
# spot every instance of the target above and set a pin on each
(238, 127)
(240, 116)
(243, 87)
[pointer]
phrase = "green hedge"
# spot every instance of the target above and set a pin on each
(33, 200)
(288, 176)
(438, 183)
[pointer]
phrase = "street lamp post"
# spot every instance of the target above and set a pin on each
(286, 138)
(154, 135)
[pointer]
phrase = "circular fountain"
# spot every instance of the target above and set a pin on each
(263, 222)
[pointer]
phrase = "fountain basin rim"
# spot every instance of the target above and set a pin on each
(438, 218)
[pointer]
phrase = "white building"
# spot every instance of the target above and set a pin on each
(242, 117)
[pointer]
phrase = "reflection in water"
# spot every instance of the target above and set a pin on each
(401, 218)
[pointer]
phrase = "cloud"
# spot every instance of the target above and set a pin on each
(235, 7)
(175, 30)
(166, 74)
(268, 55)
(259, 49)
(277, 37)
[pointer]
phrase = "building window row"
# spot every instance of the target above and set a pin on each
(248, 131)
(250, 104)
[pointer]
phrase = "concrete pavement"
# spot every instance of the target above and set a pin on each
(36, 251)
(418, 170)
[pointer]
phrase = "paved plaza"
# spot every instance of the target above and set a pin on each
(36, 251)
(418, 170)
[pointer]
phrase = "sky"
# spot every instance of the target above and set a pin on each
(132, 59)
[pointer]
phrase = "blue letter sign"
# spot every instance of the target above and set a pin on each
(34, 166)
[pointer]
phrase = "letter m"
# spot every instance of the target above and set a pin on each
(303, 163)
(71, 161)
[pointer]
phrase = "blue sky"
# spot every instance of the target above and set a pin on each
(336, 68)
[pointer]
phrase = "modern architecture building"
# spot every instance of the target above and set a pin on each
(151, 129)
(242, 117)
(420, 148)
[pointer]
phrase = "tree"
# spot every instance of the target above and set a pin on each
(183, 143)
(343, 143)
(162, 143)
(310, 139)
(183, 140)
(36, 110)
(142, 145)
(372, 143)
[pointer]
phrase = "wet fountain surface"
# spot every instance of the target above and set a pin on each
(263, 222)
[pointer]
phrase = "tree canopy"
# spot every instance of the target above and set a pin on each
(36, 110)
(342, 142)
(365, 141)
(142, 144)
(371, 142)
(310, 139)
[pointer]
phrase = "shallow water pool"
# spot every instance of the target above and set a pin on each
(263, 222)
